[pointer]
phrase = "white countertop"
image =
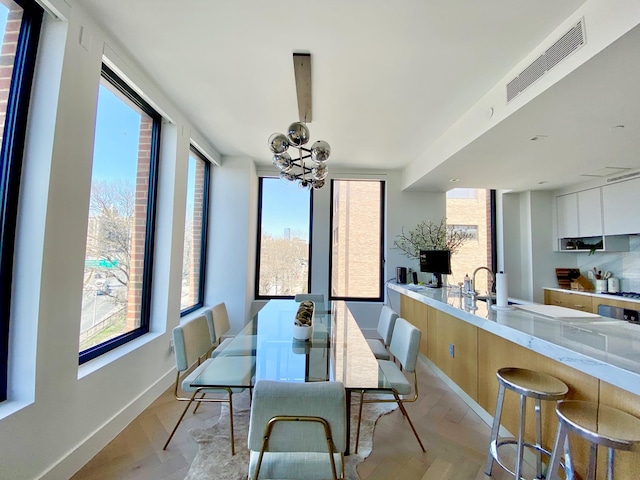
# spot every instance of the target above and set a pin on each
(605, 348)
(600, 295)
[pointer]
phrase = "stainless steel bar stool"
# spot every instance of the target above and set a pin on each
(527, 384)
(600, 425)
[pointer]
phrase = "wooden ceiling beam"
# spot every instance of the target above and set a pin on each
(302, 70)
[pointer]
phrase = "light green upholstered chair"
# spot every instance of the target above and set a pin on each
(218, 319)
(191, 345)
(314, 297)
(386, 322)
(404, 346)
(297, 430)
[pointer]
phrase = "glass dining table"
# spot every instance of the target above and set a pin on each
(336, 351)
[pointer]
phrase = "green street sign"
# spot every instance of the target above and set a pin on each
(100, 263)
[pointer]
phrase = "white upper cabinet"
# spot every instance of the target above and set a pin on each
(567, 214)
(590, 213)
(621, 207)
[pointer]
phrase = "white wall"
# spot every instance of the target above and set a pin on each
(232, 238)
(527, 254)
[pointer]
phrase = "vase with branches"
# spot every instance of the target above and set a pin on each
(428, 235)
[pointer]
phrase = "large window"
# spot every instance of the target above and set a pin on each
(20, 22)
(357, 226)
(472, 210)
(284, 250)
(195, 229)
(119, 252)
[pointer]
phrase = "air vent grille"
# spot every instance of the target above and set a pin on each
(561, 49)
(623, 177)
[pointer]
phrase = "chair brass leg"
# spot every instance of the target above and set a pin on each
(184, 412)
(233, 445)
(404, 412)
(198, 404)
(359, 420)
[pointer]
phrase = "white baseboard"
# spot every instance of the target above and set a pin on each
(76, 458)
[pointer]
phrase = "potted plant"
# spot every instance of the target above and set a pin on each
(428, 235)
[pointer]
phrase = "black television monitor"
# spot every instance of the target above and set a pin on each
(437, 262)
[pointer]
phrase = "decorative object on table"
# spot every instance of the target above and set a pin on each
(215, 462)
(303, 322)
(428, 235)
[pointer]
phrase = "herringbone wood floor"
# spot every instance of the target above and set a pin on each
(454, 436)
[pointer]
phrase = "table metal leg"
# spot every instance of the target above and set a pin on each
(348, 406)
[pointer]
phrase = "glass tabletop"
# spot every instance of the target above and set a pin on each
(336, 350)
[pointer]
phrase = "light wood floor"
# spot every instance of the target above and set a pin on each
(454, 436)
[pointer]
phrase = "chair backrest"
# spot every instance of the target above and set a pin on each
(405, 344)
(386, 323)
(314, 297)
(218, 321)
(191, 341)
(319, 399)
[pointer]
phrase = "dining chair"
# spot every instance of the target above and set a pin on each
(386, 322)
(404, 346)
(297, 430)
(317, 298)
(191, 344)
(218, 319)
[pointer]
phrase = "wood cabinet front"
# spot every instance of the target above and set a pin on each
(575, 301)
(456, 346)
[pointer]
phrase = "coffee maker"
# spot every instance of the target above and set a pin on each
(401, 275)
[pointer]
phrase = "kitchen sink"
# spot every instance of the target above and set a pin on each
(483, 298)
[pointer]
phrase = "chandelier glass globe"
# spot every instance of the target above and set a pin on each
(278, 143)
(320, 151)
(298, 134)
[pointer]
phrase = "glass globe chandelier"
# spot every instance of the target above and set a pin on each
(306, 174)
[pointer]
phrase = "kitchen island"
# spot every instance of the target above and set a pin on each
(597, 357)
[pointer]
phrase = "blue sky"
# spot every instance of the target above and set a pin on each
(115, 152)
(4, 12)
(284, 206)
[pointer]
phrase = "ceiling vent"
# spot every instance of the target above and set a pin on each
(623, 177)
(565, 46)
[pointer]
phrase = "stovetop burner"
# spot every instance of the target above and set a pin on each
(634, 295)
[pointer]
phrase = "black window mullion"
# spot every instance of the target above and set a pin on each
(11, 166)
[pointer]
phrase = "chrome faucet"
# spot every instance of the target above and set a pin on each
(473, 292)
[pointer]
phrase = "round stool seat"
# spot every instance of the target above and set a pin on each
(601, 424)
(532, 384)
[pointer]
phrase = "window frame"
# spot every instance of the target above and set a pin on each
(11, 159)
(154, 158)
(257, 294)
(205, 224)
(380, 297)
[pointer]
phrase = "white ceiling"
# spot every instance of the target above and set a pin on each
(388, 79)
